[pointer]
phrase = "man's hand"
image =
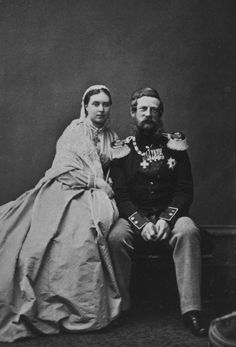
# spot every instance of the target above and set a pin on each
(148, 232)
(162, 230)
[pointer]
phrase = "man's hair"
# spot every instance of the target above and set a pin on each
(145, 92)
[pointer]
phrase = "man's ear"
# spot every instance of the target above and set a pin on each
(132, 112)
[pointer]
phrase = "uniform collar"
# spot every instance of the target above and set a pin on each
(153, 141)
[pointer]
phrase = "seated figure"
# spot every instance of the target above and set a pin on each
(154, 190)
(56, 272)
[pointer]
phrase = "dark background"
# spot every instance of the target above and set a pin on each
(52, 50)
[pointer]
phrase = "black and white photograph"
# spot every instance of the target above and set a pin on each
(117, 173)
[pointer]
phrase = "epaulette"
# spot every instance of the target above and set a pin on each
(119, 149)
(176, 141)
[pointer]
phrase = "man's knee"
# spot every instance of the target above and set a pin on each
(185, 227)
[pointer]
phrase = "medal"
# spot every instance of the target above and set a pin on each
(171, 163)
(149, 155)
(144, 164)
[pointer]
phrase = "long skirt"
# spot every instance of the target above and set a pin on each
(55, 268)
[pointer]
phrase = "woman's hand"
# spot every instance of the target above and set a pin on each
(102, 184)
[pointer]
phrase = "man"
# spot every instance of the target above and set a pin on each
(153, 190)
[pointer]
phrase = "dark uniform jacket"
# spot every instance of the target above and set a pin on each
(161, 188)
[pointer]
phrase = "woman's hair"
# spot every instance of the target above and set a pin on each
(94, 92)
(145, 92)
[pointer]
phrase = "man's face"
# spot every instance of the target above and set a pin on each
(98, 109)
(147, 114)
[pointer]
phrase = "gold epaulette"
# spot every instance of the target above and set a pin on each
(119, 149)
(176, 141)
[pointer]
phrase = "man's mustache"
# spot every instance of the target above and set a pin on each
(150, 121)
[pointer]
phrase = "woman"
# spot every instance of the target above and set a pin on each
(55, 269)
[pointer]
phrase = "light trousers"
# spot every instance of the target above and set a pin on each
(186, 252)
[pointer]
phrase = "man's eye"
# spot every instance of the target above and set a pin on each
(106, 104)
(143, 108)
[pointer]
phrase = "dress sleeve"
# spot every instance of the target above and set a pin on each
(77, 179)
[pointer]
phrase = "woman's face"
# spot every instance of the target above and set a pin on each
(98, 109)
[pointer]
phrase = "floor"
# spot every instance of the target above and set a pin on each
(146, 327)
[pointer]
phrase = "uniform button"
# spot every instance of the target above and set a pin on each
(135, 222)
(151, 183)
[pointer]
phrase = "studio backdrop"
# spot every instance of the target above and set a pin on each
(52, 50)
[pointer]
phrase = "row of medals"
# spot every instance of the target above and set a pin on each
(149, 156)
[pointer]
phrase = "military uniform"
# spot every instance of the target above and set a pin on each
(153, 182)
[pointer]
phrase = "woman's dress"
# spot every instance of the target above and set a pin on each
(56, 272)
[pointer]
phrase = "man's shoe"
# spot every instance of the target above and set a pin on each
(193, 322)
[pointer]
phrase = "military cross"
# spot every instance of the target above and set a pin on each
(144, 164)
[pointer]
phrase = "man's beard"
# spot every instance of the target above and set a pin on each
(153, 130)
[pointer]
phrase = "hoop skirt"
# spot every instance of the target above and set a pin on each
(56, 272)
